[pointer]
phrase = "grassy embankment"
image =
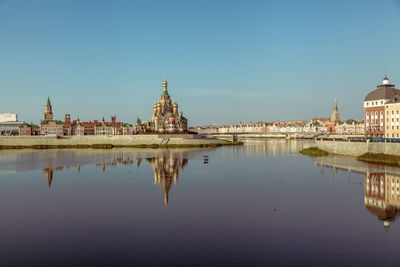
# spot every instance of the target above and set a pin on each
(109, 146)
(380, 158)
(313, 151)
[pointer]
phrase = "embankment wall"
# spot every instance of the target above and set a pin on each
(112, 140)
(357, 148)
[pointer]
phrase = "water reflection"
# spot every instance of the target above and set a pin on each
(381, 196)
(381, 185)
(258, 204)
(166, 172)
(167, 165)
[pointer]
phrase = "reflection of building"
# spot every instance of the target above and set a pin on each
(49, 171)
(382, 196)
(167, 164)
(166, 171)
(381, 185)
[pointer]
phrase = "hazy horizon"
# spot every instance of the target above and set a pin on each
(225, 61)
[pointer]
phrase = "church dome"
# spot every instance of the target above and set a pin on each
(382, 93)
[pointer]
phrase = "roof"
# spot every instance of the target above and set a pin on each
(394, 99)
(48, 102)
(382, 92)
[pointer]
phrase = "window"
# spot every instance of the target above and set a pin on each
(367, 104)
(376, 113)
(392, 112)
(381, 102)
(387, 112)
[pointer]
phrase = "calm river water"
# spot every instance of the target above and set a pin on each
(257, 204)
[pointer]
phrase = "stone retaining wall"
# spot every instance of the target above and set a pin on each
(357, 148)
(122, 140)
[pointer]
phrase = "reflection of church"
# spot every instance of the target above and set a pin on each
(167, 168)
(166, 171)
(382, 196)
(49, 175)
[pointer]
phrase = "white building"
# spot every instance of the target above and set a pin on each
(7, 117)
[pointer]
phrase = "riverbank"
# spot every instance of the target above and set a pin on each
(139, 141)
(313, 151)
(357, 149)
(381, 153)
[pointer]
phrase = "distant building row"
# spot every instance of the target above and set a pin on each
(49, 126)
(318, 125)
(165, 119)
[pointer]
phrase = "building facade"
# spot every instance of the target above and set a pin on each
(374, 109)
(8, 117)
(9, 124)
(29, 129)
(392, 109)
(350, 127)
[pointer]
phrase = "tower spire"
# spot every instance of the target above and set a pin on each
(335, 105)
(48, 102)
(165, 83)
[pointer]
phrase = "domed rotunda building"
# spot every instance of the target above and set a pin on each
(375, 105)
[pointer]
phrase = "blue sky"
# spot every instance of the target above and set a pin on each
(225, 61)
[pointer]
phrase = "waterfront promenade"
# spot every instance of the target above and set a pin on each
(182, 140)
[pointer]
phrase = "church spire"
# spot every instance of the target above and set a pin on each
(48, 104)
(335, 105)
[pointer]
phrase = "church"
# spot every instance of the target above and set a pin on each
(165, 118)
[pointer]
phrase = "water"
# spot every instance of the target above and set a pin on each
(258, 204)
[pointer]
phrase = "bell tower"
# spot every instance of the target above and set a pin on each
(48, 111)
(335, 114)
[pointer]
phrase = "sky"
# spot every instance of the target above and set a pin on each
(226, 61)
